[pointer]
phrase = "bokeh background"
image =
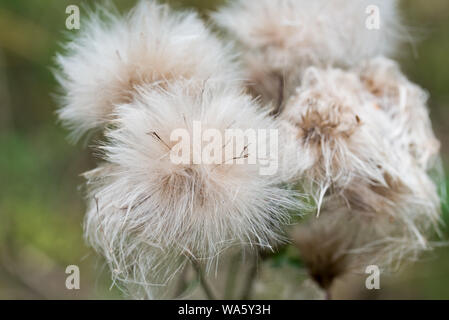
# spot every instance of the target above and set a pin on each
(41, 205)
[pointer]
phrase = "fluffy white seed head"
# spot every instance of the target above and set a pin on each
(338, 132)
(348, 149)
(144, 209)
(336, 244)
(280, 38)
(343, 241)
(405, 103)
(114, 55)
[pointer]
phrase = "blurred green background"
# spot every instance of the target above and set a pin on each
(41, 206)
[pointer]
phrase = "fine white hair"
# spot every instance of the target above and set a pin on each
(344, 241)
(280, 38)
(145, 210)
(113, 55)
(354, 134)
(338, 132)
(406, 105)
(348, 148)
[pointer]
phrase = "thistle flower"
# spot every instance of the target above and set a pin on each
(405, 104)
(141, 78)
(151, 78)
(343, 241)
(146, 210)
(334, 245)
(352, 154)
(339, 131)
(113, 56)
(280, 38)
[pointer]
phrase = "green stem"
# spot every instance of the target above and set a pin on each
(206, 287)
(249, 283)
(232, 275)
